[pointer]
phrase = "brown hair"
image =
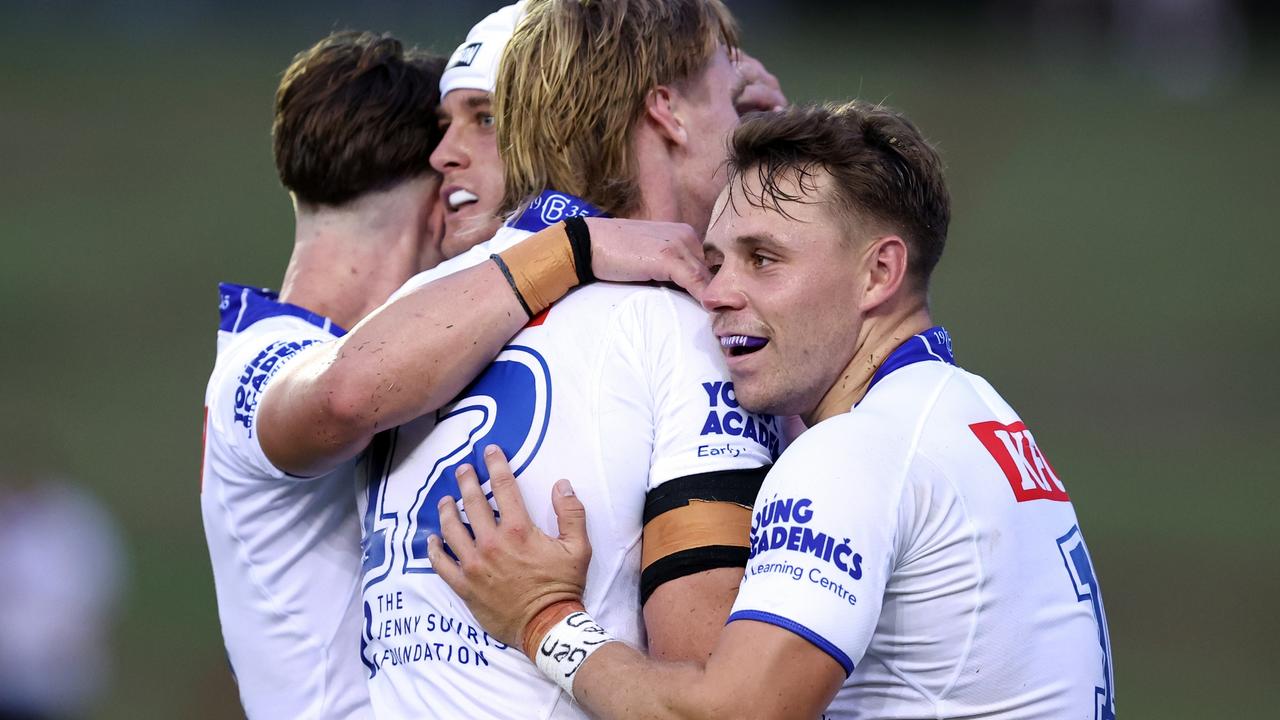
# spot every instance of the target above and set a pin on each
(355, 113)
(574, 78)
(883, 172)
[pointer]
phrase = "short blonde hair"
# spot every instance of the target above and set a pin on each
(574, 79)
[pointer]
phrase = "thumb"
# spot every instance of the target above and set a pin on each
(571, 516)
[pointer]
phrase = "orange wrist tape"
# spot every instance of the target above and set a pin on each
(542, 267)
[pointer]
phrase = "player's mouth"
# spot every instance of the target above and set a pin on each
(738, 345)
(456, 198)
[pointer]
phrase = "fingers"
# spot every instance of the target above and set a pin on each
(759, 98)
(479, 512)
(761, 90)
(690, 274)
(505, 491)
(571, 517)
(447, 568)
(453, 531)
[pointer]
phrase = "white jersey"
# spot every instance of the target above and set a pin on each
(923, 542)
(285, 550)
(619, 388)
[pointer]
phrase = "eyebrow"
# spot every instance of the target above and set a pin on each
(751, 240)
(472, 104)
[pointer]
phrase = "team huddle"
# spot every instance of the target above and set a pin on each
(603, 382)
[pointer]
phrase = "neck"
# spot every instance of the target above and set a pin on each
(879, 337)
(348, 260)
(655, 176)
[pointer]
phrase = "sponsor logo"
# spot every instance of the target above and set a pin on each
(258, 371)
(554, 207)
(466, 55)
(725, 417)
(1024, 465)
(784, 524)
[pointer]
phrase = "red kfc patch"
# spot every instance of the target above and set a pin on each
(1025, 467)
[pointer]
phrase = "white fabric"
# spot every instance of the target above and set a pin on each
(613, 390)
(567, 645)
(285, 551)
(891, 537)
(474, 65)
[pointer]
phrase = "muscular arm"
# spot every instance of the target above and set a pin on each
(510, 572)
(684, 617)
(406, 359)
(756, 671)
(412, 356)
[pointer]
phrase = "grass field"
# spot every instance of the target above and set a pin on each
(1110, 270)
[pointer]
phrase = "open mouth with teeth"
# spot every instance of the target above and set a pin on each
(742, 344)
(460, 198)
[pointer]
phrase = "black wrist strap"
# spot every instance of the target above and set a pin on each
(580, 241)
(506, 273)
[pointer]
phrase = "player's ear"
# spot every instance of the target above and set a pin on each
(885, 265)
(660, 109)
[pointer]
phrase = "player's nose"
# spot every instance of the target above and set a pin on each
(723, 292)
(450, 153)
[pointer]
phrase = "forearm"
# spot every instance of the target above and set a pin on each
(403, 361)
(618, 681)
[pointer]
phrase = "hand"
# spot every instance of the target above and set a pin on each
(761, 90)
(511, 570)
(644, 250)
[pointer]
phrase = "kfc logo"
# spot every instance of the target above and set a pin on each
(1025, 467)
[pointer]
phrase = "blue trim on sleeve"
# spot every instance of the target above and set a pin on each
(787, 624)
(933, 344)
(550, 208)
(240, 306)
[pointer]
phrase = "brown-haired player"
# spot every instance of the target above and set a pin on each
(913, 554)
(628, 378)
(354, 126)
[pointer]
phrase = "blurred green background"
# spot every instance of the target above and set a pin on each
(1110, 270)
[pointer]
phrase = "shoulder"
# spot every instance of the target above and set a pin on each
(247, 360)
(477, 254)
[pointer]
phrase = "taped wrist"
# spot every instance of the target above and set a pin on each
(548, 264)
(567, 644)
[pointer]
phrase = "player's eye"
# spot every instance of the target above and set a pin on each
(713, 268)
(759, 261)
(485, 120)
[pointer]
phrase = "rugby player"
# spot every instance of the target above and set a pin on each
(354, 127)
(913, 554)
(635, 372)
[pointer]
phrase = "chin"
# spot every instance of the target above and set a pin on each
(468, 233)
(756, 398)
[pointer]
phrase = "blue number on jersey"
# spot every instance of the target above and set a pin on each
(509, 405)
(1080, 567)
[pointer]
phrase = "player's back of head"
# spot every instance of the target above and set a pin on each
(573, 82)
(887, 177)
(355, 113)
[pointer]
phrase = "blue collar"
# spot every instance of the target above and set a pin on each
(550, 208)
(241, 306)
(933, 344)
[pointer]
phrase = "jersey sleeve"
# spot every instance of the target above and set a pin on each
(699, 427)
(243, 373)
(709, 455)
(824, 533)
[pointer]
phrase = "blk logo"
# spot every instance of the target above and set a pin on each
(1018, 456)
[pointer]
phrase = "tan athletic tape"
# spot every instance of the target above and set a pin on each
(542, 266)
(542, 622)
(701, 523)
